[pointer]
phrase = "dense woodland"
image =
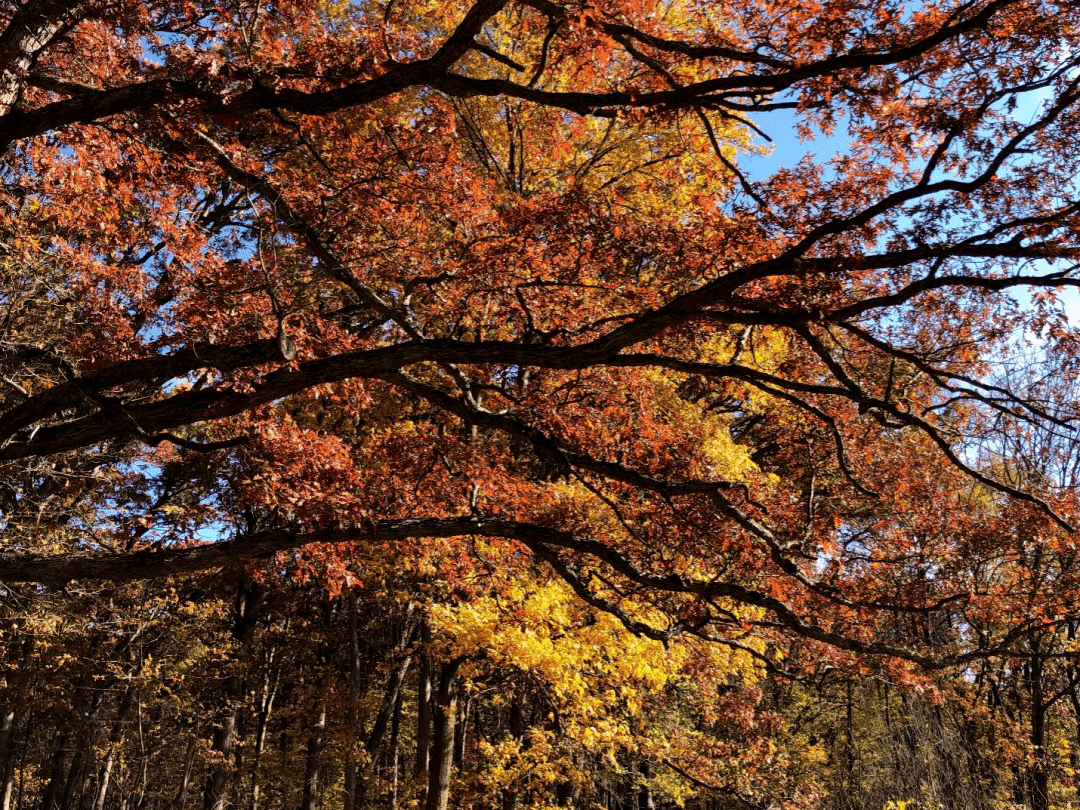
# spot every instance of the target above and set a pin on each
(419, 404)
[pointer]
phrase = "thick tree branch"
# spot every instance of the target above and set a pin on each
(150, 564)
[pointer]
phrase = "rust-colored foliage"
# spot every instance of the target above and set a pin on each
(353, 282)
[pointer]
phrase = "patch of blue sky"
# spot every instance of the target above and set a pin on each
(205, 526)
(1028, 110)
(787, 149)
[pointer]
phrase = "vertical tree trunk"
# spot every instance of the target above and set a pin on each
(563, 793)
(849, 741)
(7, 758)
(375, 740)
(115, 736)
(645, 796)
(313, 761)
(517, 732)
(461, 724)
(442, 748)
(7, 733)
(249, 602)
(222, 743)
(271, 681)
(22, 759)
(76, 775)
(395, 756)
(352, 717)
(180, 799)
(51, 799)
(382, 719)
(423, 704)
(1074, 699)
(1040, 777)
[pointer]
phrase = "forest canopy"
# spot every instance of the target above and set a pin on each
(420, 403)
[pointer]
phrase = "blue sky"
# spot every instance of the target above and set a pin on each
(787, 150)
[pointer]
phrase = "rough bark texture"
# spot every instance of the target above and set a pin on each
(442, 748)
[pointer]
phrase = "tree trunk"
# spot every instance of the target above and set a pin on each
(180, 799)
(386, 711)
(76, 775)
(76, 778)
(423, 707)
(115, 736)
(442, 748)
(7, 758)
(352, 716)
(849, 741)
(374, 743)
(517, 732)
(1039, 777)
(395, 736)
(313, 761)
(461, 724)
(22, 759)
(249, 602)
(1074, 699)
(645, 796)
(50, 801)
(271, 681)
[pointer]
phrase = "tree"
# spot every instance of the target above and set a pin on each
(336, 277)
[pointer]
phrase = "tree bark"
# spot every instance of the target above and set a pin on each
(180, 799)
(115, 736)
(50, 801)
(1039, 776)
(382, 720)
(395, 756)
(423, 704)
(28, 33)
(645, 796)
(517, 732)
(271, 680)
(352, 716)
(313, 760)
(249, 602)
(442, 749)
(7, 758)
(461, 725)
